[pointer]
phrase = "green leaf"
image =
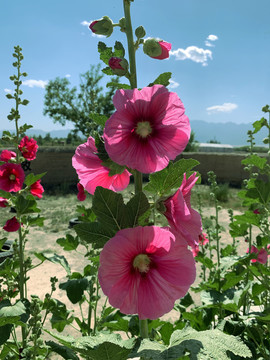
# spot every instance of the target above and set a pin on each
(110, 209)
(119, 50)
(26, 205)
(255, 160)
(23, 128)
(54, 258)
(98, 118)
(75, 289)
(207, 262)
(171, 177)
(60, 316)
(117, 85)
(114, 167)
(99, 347)
(5, 194)
(68, 243)
(162, 79)
(117, 325)
(31, 178)
(248, 218)
(61, 350)
(105, 52)
(108, 71)
(136, 207)
(257, 125)
(94, 233)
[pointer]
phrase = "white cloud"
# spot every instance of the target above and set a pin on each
(85, 23)
(9, 91)
(173, 84)
(193, 53)
(226, 107)
(35, 83)
(67, 75)
(212, 37)
(208, 43)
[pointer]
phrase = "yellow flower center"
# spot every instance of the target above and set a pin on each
(143, 129)
(12, 177)
(141, 262)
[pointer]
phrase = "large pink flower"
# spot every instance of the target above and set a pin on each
(143, 270)
(92, 173)
(184, 220)
(148, 129)
(11, 177)
(261, 254)
(28, 148)
(6, 155)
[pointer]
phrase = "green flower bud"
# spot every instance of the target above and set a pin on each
(102, 26)
(140, 32)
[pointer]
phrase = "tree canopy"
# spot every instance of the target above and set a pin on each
(78, 105)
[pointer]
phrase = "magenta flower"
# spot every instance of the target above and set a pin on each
(12, 225)
(11, 177)
(143, 270)
(6, 155)
(157, 49)
(118, 65)
(3, 202)
(261, 254)
(28, 148)
(148, 129)
(165, 50)
(37, 189)
(81, 196)
(92, 173)
(184, 220)
(203, 240)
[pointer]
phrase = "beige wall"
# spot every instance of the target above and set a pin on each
(227, 166)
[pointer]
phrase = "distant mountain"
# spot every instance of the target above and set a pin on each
(225, 133)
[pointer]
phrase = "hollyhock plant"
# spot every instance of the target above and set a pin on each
(157, 49)
(262, 254)
(11, 177)
(92, 173)
(182, 218)
(148, 129)
(102, 26)
(12, 225)
(81, 196)
(118, 65)
(28, 148)
(143, 270)
(6, 155)
(36, 189)
(3, 202)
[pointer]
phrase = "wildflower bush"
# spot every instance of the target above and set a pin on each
(143, 269)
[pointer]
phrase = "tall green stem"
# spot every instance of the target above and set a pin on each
(133, 84)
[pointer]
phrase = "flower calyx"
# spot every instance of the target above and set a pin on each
(103, 26)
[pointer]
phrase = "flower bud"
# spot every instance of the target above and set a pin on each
(118, 65)
(140, 32)
(102, 26)
(157, 49)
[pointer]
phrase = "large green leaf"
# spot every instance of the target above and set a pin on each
(31, 178)
(105, 52)
(26, 205)
(110, 209)
(162, 79)
(69, 242)
(162, 182)
(136, 207)
(54, 258)
(94, 233)
(62, 350)
(75, 289)
(100, 347)
(255, 160)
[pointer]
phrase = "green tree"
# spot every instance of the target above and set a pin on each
(65, 103)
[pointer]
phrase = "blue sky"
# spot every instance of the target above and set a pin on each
(220, 52)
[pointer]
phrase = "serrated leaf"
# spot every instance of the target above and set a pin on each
(136, 207)
(105, 52)
(31, 178)
(255, 160)
(68, 243)
(99, 347)
(94, 233)
(162, 79)
(117, 85)
(257, 125)
(75, 289)
(108, 71)
(110, 209)
(54, 258)
(119, 50)
(5, 194)
(162, 182)
(26, 205)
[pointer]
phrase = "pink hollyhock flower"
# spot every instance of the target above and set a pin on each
(12, 225)
(11, 177)
(148, 129)
(6, 155)
(165, 50)
(143, 270)
(81, 194)
(28, 148)
(203, 240)
(157, 49)
(262, 254)
(37, 189)
(92, 173)
(184, 220)
(3, 202)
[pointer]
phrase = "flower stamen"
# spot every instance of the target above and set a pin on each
(141, 263)
(143, 129)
